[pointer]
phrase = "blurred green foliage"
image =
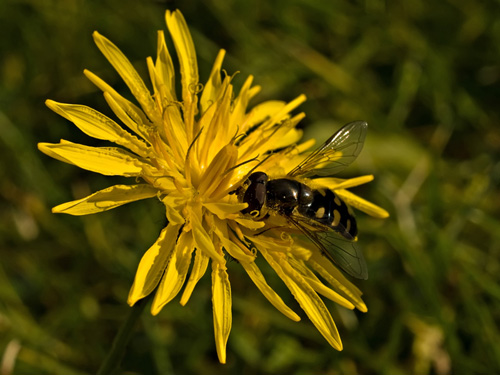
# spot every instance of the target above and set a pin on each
(425, 75)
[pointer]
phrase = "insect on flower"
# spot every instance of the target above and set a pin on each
(234, 182)
(318, 213)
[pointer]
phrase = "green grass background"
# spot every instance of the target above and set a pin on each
(425, 75)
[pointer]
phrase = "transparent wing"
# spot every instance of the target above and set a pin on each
(343, 252)
(338, 152)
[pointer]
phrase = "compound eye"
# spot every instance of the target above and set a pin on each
(258, 177)
(255, 195)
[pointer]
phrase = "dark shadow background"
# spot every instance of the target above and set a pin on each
(425, 75)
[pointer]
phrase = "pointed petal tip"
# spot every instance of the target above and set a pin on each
(97, 37)
(384, 214)
(173, 13)
(170, 14)
(155, 310)
(45, 147)
(133, 296)
(53, 106)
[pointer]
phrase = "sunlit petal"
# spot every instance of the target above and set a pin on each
(153, 264)
(362, 204)
(221, 301)
(307, 298)
(256, 275)
(175, 273)
(212, 87)
(128, 73)
(134, 117)
(107, 199)
(108, 161)
(97, 125)
(200, 265)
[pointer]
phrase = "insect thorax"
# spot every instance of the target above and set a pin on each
(284, 194)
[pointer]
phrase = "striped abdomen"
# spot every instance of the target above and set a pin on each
(328, 209)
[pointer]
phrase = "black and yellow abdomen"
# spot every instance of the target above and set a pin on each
(328, 209)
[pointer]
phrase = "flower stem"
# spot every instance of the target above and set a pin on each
(115, 355)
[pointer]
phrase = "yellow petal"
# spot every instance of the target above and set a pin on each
(333, 183)
(153, 264)
(260, 282)
(107, 199)
(213, 177)
(242, 255)
(134, 119)
(199, 268)
(250, 224)
(212, 87)
(362, 204)
(185, 50)
(175, 274)
(321, 288)
(307, 298)
(162, 96)
(317, 312)
(336, 279)
(127, 115)
(189, 69)
(225, 210)
(208, 122)
(109, 161)
(261, 112)
(265, 140)
(215, 118)
(221, 301)
(174, 205)
(276, 132)
(129, 75)
(97, 125)
(202, 238)
(283, 113)
(172, 128)
(284, 137)
(175, 132)
(239, 107)
(304, 146)
(165, 67)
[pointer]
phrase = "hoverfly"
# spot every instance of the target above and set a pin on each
(319, 214)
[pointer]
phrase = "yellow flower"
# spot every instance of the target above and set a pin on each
(192, 153)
